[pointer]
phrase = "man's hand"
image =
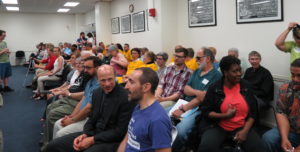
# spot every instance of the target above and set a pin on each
(65, 93)
(86, 143)
(292, 25)
(77, 141)
(241, 136)
(177, 113)
(50, 73)
(36, 66)
(231, 111)
(67, 121)
(6, 50)
(113, 60)
(286, 145)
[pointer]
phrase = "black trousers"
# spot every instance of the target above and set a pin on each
(65, 144)
(213, 138)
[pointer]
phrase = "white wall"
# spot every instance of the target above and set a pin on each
(89, 17)
(26, 30)
(103, 25)
(152, 38)
(247, 37)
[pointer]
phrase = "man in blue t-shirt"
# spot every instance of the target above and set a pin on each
(194, 91)
(150, 127)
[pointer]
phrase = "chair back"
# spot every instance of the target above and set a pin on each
(20, 54)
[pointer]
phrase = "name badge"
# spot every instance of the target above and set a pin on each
(205, 81)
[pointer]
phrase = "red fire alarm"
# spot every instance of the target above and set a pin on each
(152, 12)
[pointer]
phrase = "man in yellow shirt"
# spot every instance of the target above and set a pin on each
(127, 52)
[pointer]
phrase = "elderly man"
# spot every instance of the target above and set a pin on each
(161, 60)
(174, 79)
(261, 80)
(195, 91)
(286, 137)
(235, 52)
(108, 119)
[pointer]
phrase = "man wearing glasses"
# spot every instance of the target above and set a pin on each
(292, 47)
(172, 82)
(195, 91)
(81, 110)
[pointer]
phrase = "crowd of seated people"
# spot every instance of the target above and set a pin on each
(121, 99)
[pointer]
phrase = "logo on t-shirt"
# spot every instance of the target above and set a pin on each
(131, 137)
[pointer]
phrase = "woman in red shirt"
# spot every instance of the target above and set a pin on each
(230, 108)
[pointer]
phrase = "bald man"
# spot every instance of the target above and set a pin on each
(108, 119)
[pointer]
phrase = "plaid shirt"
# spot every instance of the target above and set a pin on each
(173, 81)
(288, 104)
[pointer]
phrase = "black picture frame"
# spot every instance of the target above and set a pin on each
(202, 13)
(115, 25)
(258, 11)
(138, 22)
(126, 24)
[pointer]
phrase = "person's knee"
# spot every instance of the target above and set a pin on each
(53, 116)
(61, 133)
(207, 147)
(271, 137)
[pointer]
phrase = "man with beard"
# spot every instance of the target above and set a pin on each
(58, 109)
(286, 137)
(174, 79)
(195, 91)
(108, 119)
(149, 128)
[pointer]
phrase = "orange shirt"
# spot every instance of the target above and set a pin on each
(234, 97)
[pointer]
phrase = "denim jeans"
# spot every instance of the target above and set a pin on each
(272, 139)
(184, 127)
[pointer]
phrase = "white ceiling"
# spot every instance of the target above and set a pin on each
(51, 6)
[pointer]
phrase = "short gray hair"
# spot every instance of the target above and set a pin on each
(234, 50)
(112, 48)
(164, 55)
(254, 53)
(208, 53)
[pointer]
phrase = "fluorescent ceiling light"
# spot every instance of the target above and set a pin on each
(260, 2)
(10, 1)
(199, 7)
(194, 0)
(63, 10)
(9, 8)
(71, 4)
(200, 12)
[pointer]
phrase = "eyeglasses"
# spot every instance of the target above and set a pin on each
(159, 58)
(199, 57)
(178, 56)
(87, 67)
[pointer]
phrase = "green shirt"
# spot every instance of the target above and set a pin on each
(3, 57)
(202, 82)
(292, 48)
